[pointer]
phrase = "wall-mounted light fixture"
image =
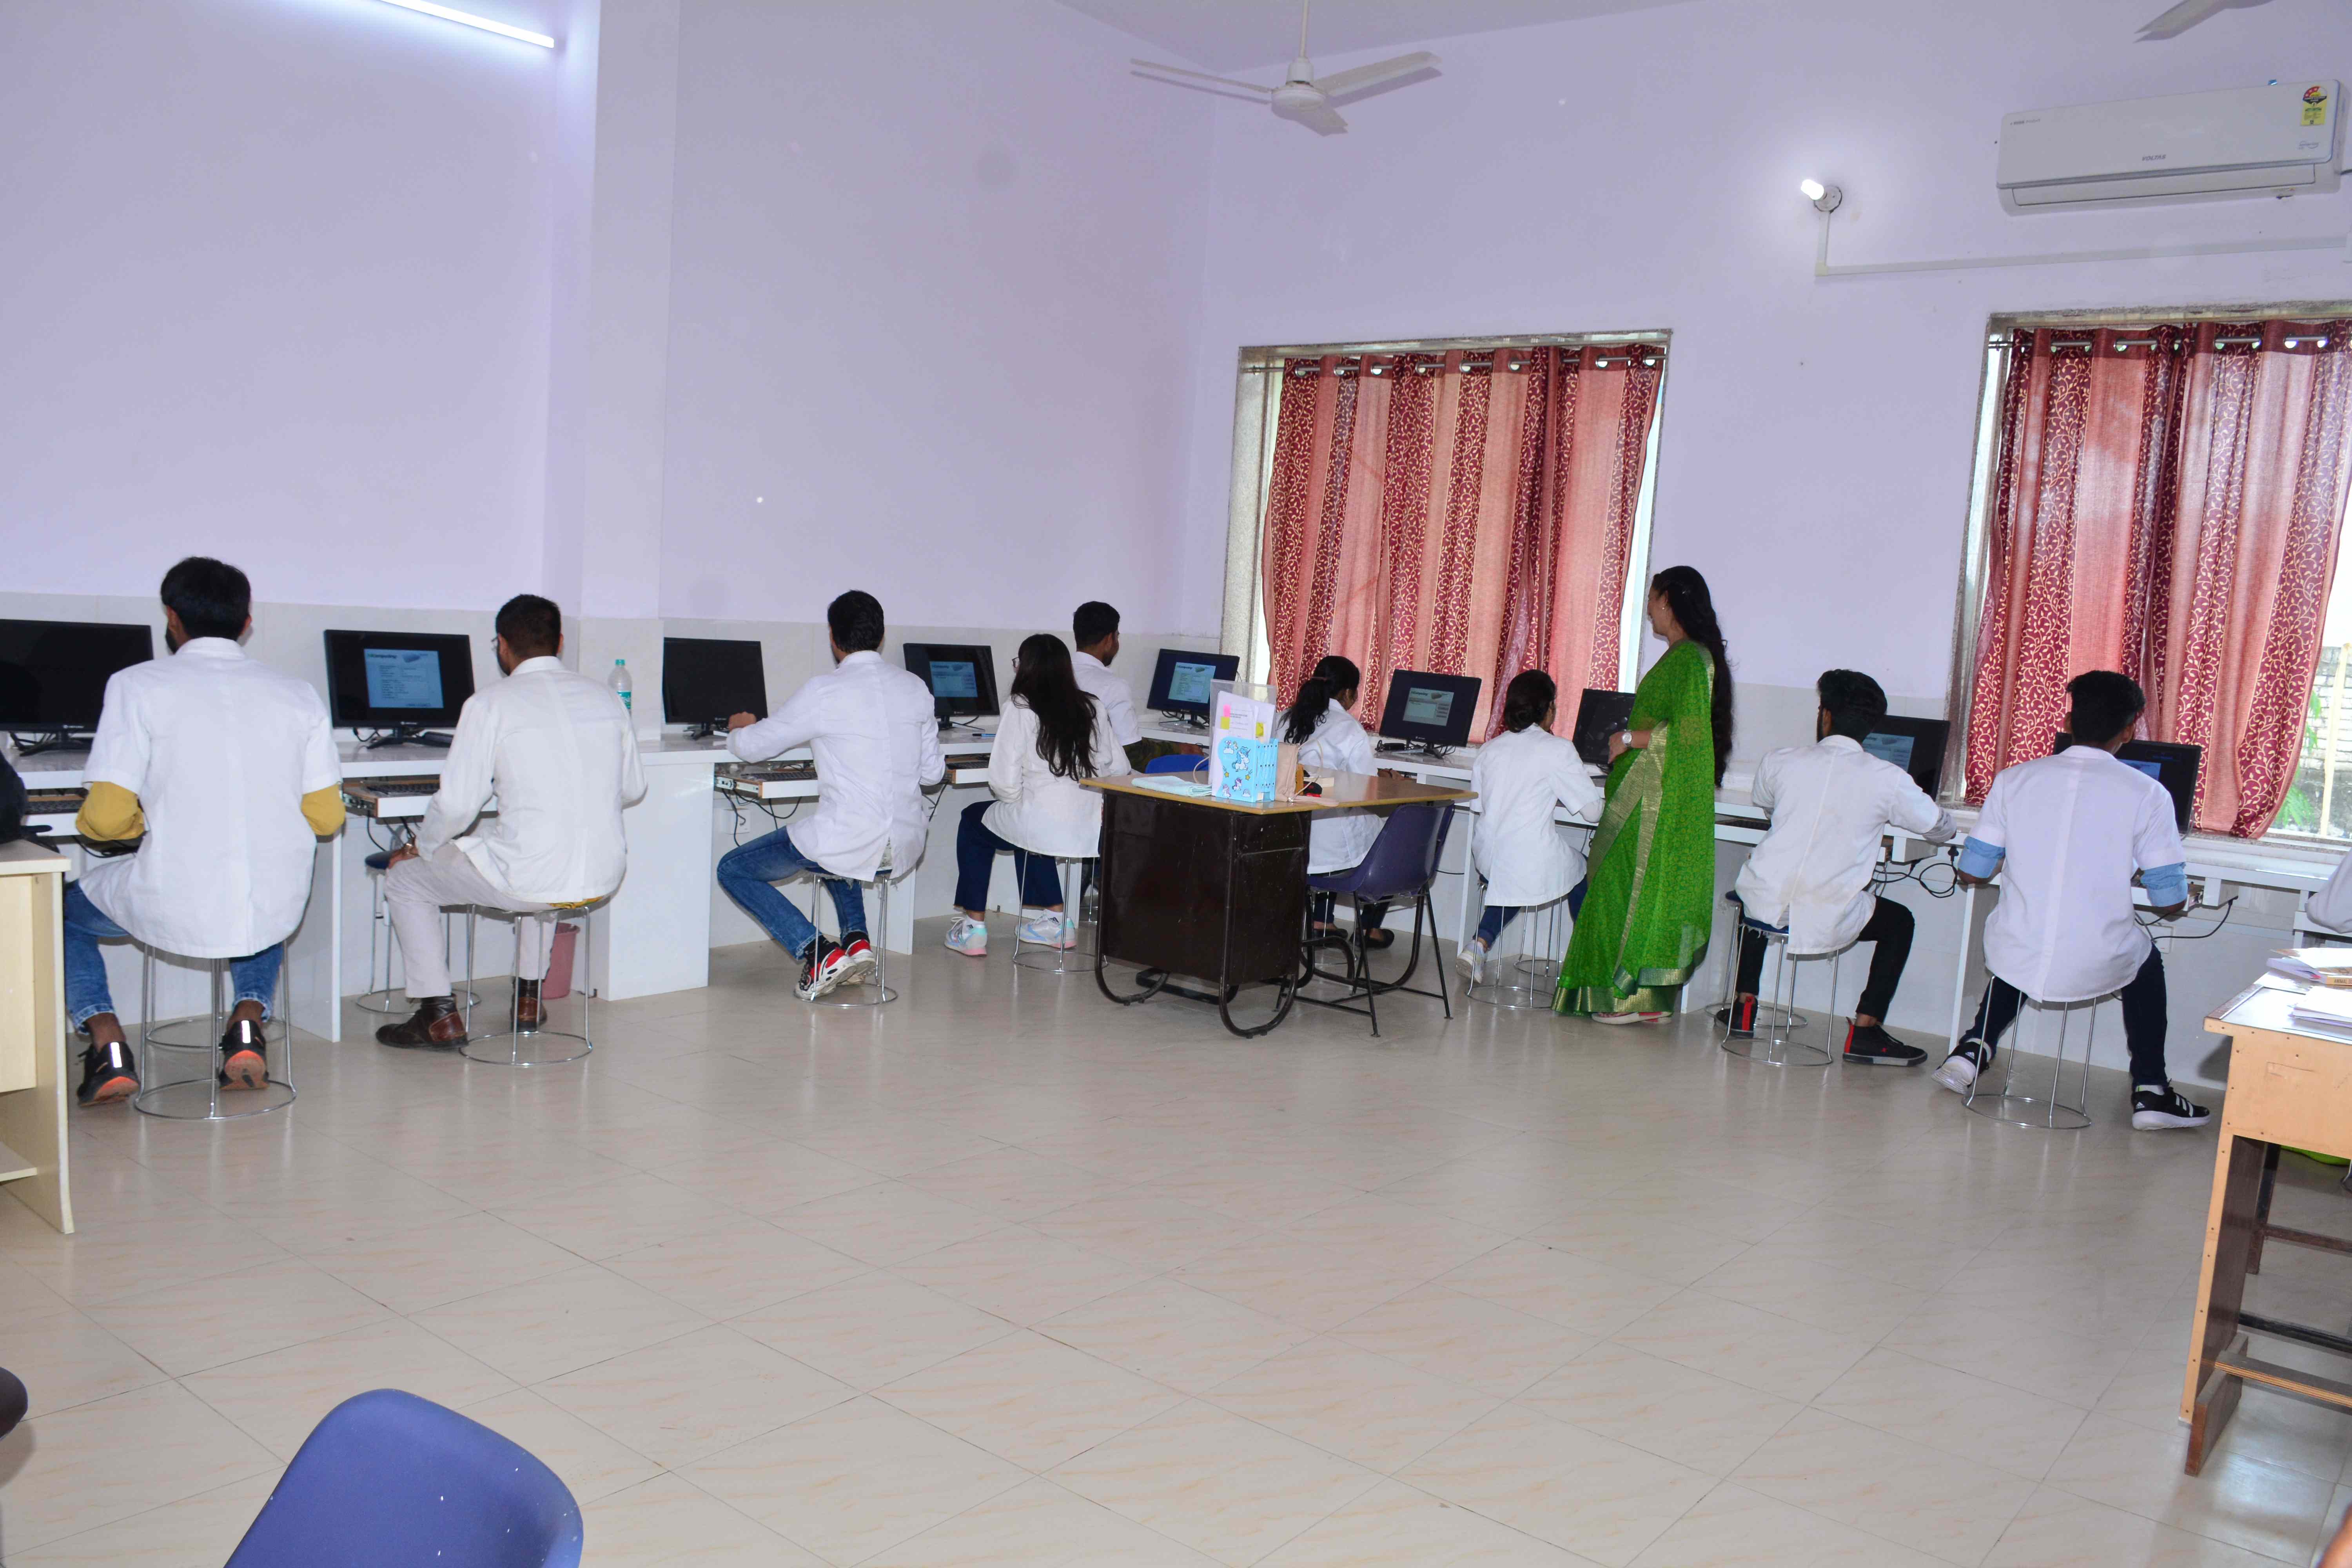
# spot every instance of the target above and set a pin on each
(1825, 198)
(470, 20)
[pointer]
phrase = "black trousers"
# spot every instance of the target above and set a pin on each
(1889, 928)
(2145, 1021)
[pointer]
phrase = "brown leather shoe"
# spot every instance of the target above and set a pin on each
(435, 1026)
(526, 1008)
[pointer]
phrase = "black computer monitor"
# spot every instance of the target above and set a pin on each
(399, 683)
(53, 676)
(2168, 762)
(1599, 715)
(707, 680)
(961, 676)
(1429, 711)
(1180, 681)
(1914, 745)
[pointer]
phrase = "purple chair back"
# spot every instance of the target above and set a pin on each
(1401, 862)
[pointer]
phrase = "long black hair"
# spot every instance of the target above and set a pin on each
(1524, 700)
(1332, 676)
(1066, 715)
(1694, 610)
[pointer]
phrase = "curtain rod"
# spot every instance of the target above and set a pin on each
(1353, 365)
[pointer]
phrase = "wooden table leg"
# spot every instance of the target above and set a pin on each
(2208, 1396)
(2263, 1210)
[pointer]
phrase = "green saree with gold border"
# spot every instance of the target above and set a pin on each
(1648, 902)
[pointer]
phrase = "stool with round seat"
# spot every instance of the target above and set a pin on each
(378, 998)
(2050, 1112)
(1054, 960)
(874, 991)
(1775, 1041)
(200, 1098)
(540, 1044)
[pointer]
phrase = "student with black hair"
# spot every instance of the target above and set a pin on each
(2066, 834)
(1830, 803)
(557, 751)
(1093, 643)
(874, 735)
(1328, 737)
(1518, 777)
(224, 773)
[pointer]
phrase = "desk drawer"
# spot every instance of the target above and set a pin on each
(2287, 1089)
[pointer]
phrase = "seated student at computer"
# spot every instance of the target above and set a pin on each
(2066, 833)
(872, 732)
(557, 751)
(1328, 738)
(1830, 803)
(1051, 737)
(1523, 857)
(229, 770)
(1094, 638)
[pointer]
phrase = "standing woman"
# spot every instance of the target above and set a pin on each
(1649, 904)
(1328, 738)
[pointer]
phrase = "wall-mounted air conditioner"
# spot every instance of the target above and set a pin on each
(2273, 140)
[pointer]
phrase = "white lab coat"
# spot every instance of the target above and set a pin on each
(1518, 776)
(1336, 840)
(2076, 826)
(1830, 803)
(558, 750)
(2332, 905)
(874, 735)
(220, 751)
(1113, 699)
(1036, 808)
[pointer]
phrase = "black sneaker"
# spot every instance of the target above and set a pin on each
(2165, 1109)
(1963, 1067)
(243, 1057)
(1873, 1047)
(1739, 1020)
(106, 1075)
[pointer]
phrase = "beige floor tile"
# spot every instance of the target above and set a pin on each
(852, 1480)
(767, 1179)
(668, 1523)
(194, 1532)
(1577, 1292)
(1039, 1525)
(1146, 1227)
(557, 1324)
(1173, 1334)
(1012, 1183)
(414, 1268)
(103, 1462)
(886, 1223)
(1656, 1248)
(1394, 1526)
(1819, 1294)
(277, 1397)
(209, 1323)
(1931, 1501)
(1972, 1417)
(1268, 1198)
(1029, 1399)
(1675, 1412)
(1313, 1287)
(2070, 1368)
(1379, 1412)
(1225, 1486)
(1733, 1526)
(616, 1216)
(688, 1397)
(1776, 1354)
(2266, 1509)
(63, 1359)
(2058, 1530)
(873, 1330)
(1421, 1242)
(728, 1272)
(589, 1462)
(1479, 1343)
(1019, 1275)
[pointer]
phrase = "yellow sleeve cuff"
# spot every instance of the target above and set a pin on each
(323, 810)
(111, 814)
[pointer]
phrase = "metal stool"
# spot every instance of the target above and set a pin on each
(1775, 1042)
(378, 998)
(1054, 960)
(2049, 1112)
(541, 1046)
(199, 1099)
(873, 991)
(1533, 977)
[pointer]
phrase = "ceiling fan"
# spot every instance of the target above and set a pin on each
(1307, 99)
(2187, 14)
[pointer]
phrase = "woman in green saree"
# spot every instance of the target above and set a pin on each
(1648, 902)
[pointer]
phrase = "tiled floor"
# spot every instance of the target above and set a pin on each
(1007, 1275)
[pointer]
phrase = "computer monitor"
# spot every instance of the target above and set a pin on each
(2168, 762)
(1914, 745)
(1429, 711)
(1180, 681)
(707, 680)
(1599, 715)
(53, 676)
(961, 676)
(399, 683)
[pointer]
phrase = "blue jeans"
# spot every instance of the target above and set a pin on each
(255, 978)
(750, 872)
(1491, 923)
(977, 847)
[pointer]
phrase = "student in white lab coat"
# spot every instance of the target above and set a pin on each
(229, 769)
(1523, 857)
(1328, 737)
(1051, 737)
(2066, 834)
(1093, 643)
(874, 735)
(559, 753)
(1832, 803)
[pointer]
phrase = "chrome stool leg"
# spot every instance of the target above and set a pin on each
(541, 1046)
(876, 992)
(2048, 1113)
(1526, 980)
(1775, 1042)
(199, 1099)
(1051, 960)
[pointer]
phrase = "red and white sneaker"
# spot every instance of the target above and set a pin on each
(856, 958)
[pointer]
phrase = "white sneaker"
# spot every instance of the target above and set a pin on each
(1624, 1018)
(968, 936)
(1472, 961)
(1959, 1070)
(1050, 928)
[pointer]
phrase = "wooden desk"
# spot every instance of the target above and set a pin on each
(33, 1030)
(1216, 889)
(2287, 1086)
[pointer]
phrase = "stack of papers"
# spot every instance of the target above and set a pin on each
(2314, 965)
(2329, 1012)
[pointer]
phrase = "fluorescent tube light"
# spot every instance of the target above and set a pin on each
(484, 23)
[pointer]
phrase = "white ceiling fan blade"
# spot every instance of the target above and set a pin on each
(2182, 17)
(1338, 84)
(1199, 76)
(1319, 117)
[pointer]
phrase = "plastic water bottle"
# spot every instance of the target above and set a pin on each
(1090, 902)
(619, 682)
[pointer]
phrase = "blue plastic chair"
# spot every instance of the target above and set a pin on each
(390, 1480)
(1179, 762)
(1402, 864)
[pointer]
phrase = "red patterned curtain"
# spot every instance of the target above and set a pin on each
(1449, 512)
(2166, 503)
